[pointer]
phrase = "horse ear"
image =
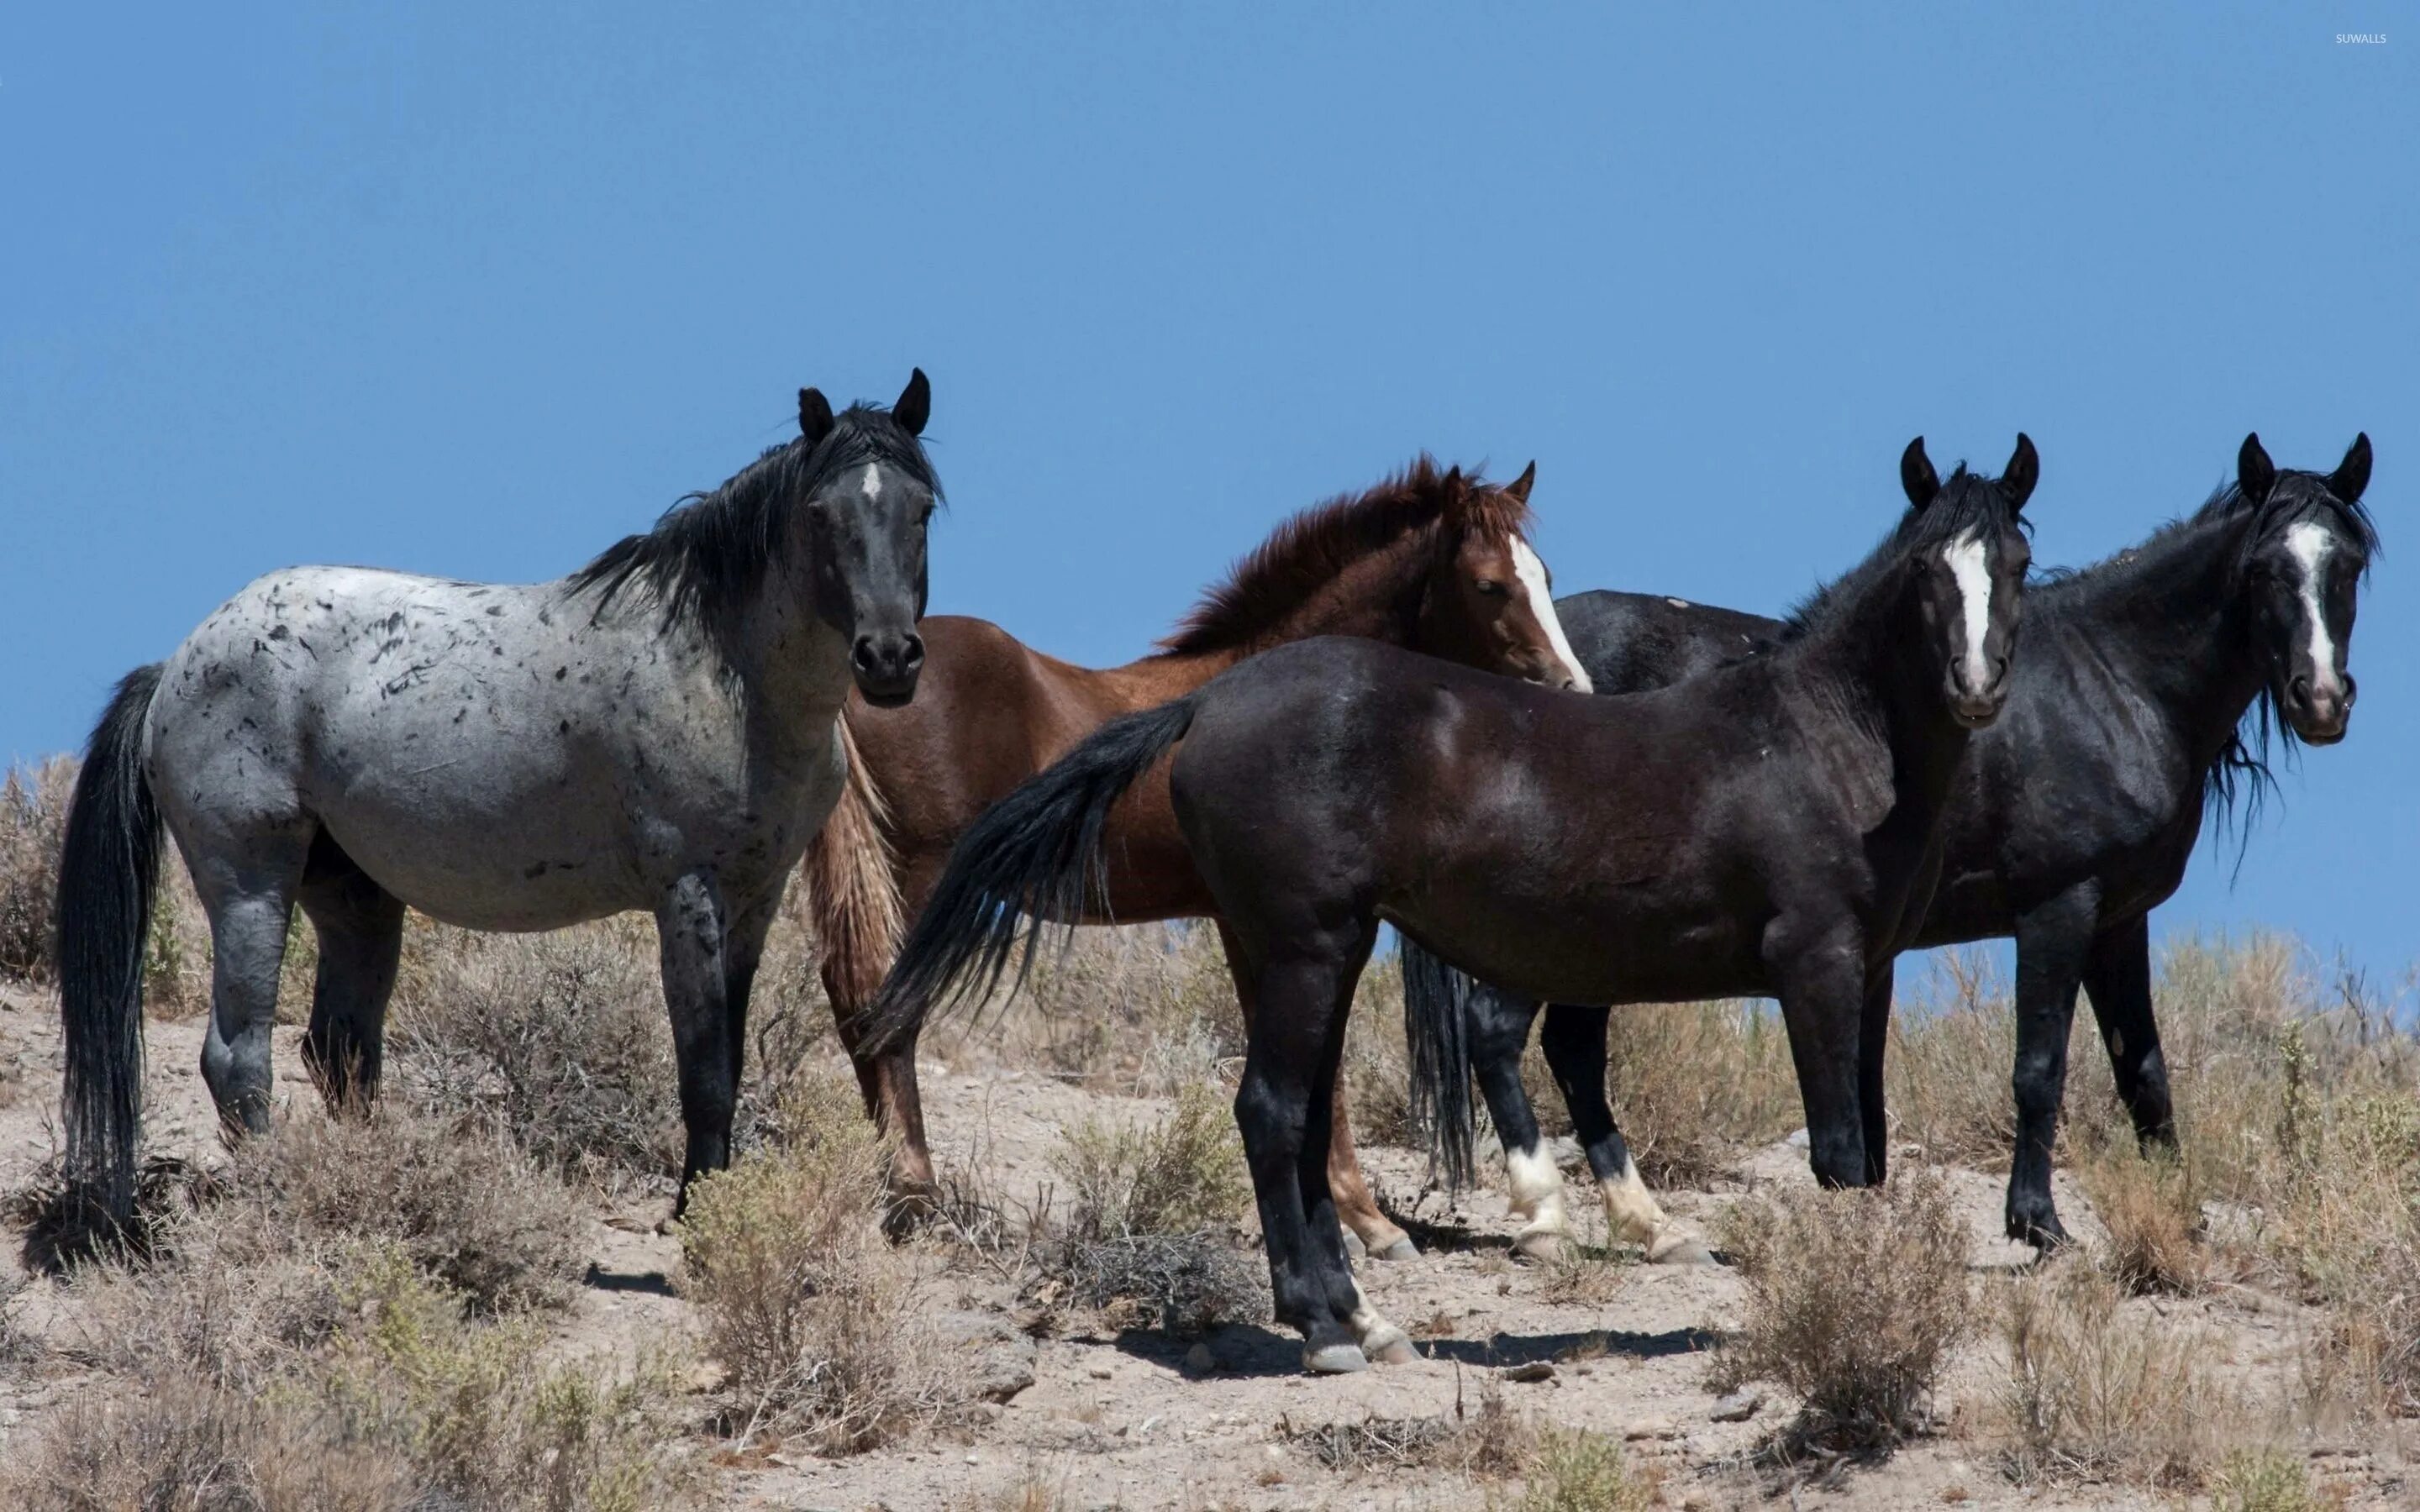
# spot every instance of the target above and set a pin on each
(2352, 476)
(2024, 472)
(1519, 487)
(814, 415)
(915, 405)
(2254, 474)
(1916, 476)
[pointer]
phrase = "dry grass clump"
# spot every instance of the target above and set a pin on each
(33, 823)
(1491, 1441)
(407, 1402)
(1691, 1083)
(1571, 1470)
(2097, 1392)
(1141, 1010)
(558, 1039)
(1854, 1301)
(2152, 1208)
(819, 1323)
(1378, 1069)
(464, 1206)
(1145, 1231)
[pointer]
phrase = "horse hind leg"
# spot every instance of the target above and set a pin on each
(1499, 1026)
(360, 927)
(692, 926)
(1574, 1042)
(247, 886)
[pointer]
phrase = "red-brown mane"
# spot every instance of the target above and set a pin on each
(1316, 546)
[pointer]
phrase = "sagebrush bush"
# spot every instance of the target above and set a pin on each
(2096, 1391)
(406, 1401)
(2152, 1208)
(1854, 1301)
(1183, 1174)
(1571, 1470)
(821, 1326)
(1140, 1010)
(33, 823)
(1691, 1083)
(465, 1206)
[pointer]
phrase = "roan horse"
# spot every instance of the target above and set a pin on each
(658, 730)
(1775, 819)
(1432, 560)
(2145, 694)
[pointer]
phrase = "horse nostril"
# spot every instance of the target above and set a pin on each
(2299, 692)
(914, 656)
(862, 657)
(2344, 699)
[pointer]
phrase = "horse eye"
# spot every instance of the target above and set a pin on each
(1491, 587)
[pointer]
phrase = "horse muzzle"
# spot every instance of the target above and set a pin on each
(2318, 714)
(886, 664)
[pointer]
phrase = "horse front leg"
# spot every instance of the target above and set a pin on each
(852, 970)
(1497, 1027)
(2053, 942)
(1574, 1042)
(2117, 979)
(1821, 975)
(692, 936)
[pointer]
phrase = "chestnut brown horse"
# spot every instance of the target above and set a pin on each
(1432, 560)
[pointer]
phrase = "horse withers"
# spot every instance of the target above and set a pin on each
(1778, 817)
(656, 732)
(2145, 697)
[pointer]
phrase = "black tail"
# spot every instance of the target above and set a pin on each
(1036, 855)
(108, 870)
(1437, 1029)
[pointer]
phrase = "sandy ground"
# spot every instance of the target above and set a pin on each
(1125, 1420)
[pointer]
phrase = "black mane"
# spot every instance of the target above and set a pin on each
(1966, 500)
(706, 556)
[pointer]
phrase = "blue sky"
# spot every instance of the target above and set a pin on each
(474, 292)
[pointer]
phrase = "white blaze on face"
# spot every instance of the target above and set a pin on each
(872, 485)
(2309, 545)
(1532, 574)
(1964, 556)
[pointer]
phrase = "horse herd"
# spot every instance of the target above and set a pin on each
(1381, 715)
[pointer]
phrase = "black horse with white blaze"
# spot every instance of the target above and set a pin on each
(2146, 695)
(1779, 815)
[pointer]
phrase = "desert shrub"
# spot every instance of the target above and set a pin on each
(1184, 1174)
(558, 1039)
(1144, 1010)
(1377, 1068)
(2152, 1208)
(1691, 1083)
(819, 1323)
(1854, 1301)
(33, 823)
(463, 1205)
(406, 1401)
(1571, 1470)
(2096, 1392)
(2258, 1480)
(1144, 1233)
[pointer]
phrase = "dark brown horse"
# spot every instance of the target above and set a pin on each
(1770, 828)
(1432, 560)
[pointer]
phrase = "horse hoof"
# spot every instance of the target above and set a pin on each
(1389, 1346)
(1354, 1248)
(1545, 1248)
(1679, 1249)
(1335, 1359)
(1402, 1249)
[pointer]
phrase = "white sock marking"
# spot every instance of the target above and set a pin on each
(1630, 1210)
(1537, 1194)
(1533, 573)
(871, 487)
(2310, 545)
(1965, 558)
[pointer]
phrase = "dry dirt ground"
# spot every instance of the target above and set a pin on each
(1127, 1421)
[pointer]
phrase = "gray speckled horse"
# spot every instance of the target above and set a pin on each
(658, 730)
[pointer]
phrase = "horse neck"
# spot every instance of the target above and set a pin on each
(792, 668)
(1379, 597)
(2172, 625)
(1862, 665)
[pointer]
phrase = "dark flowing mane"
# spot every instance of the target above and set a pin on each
(1966, 500)
(1309, 550)
(707, 554)
(2240, 777)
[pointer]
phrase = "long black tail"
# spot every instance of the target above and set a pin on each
(1034, 854)
(1437, 1029)
(108, 871)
